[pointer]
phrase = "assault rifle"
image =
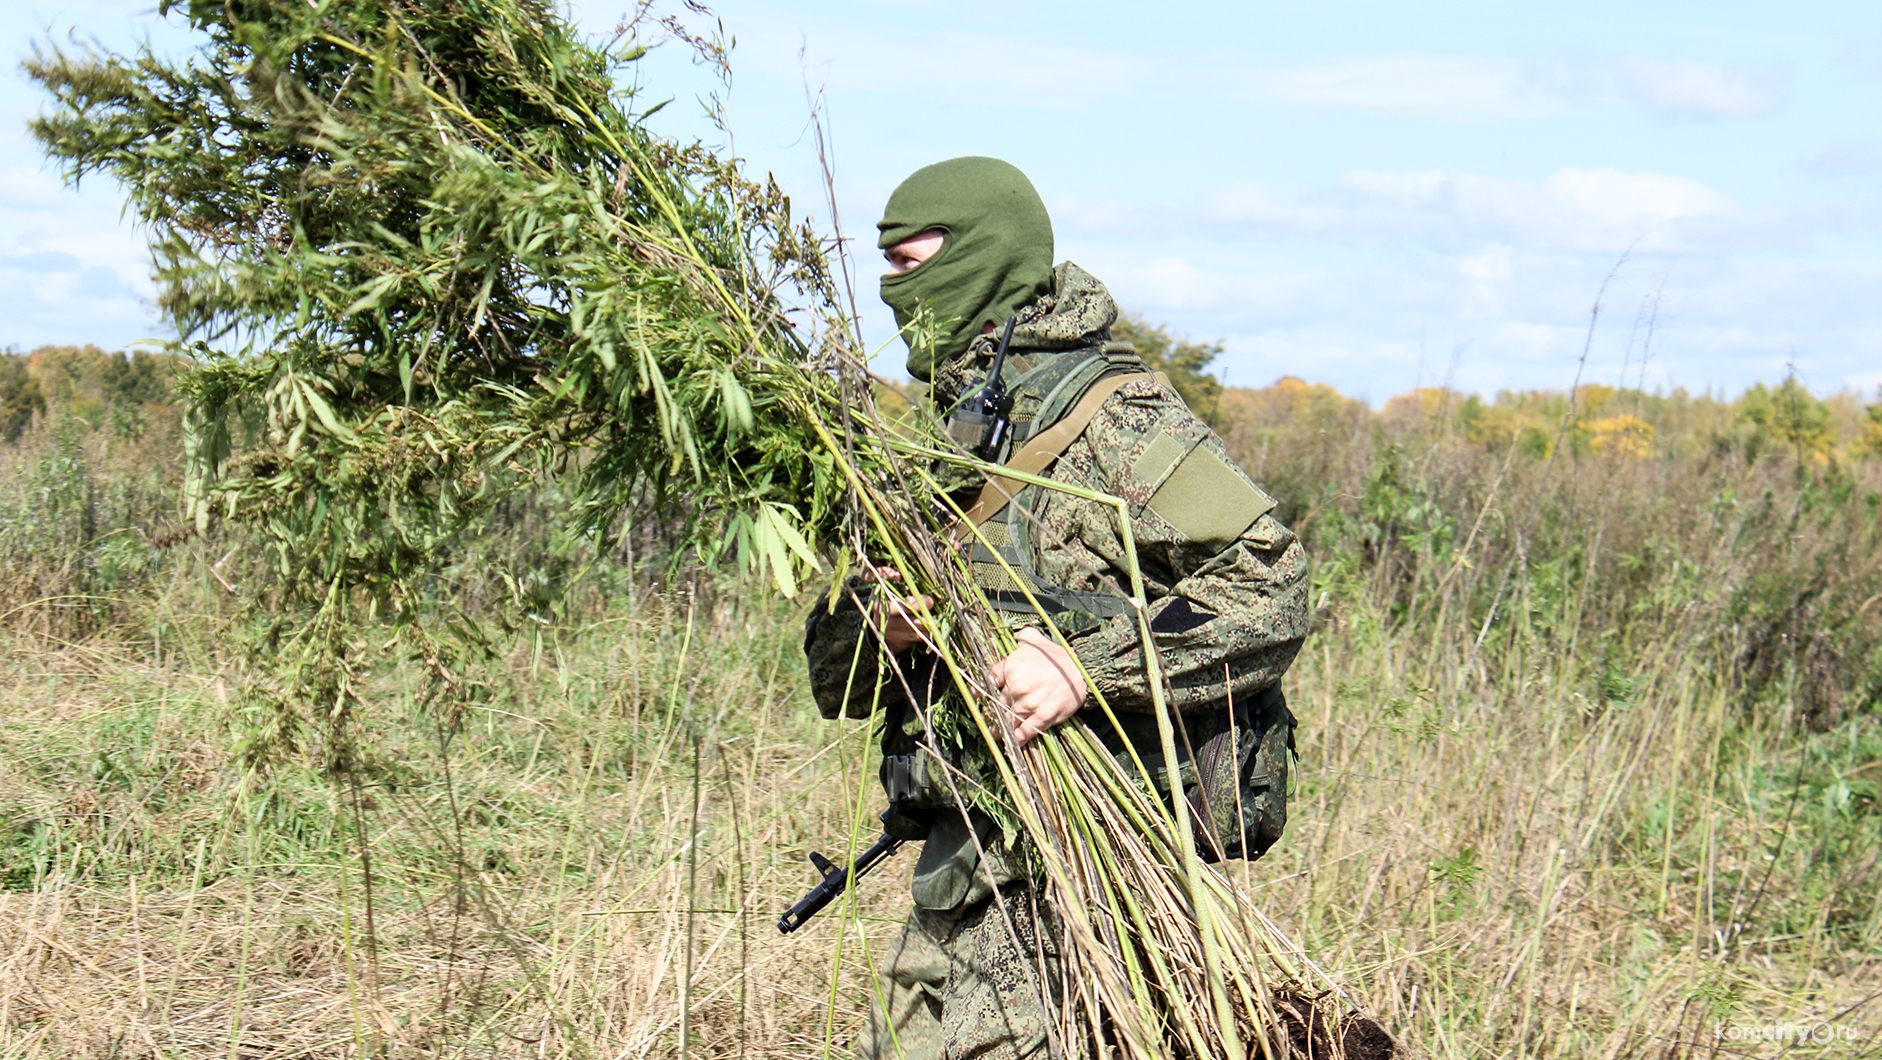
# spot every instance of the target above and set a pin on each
(979, 423)
(836, 880)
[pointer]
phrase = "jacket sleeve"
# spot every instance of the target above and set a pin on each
(1226, 583)
(850, 675)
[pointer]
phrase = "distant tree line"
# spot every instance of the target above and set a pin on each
(91, 384)
(81, 381)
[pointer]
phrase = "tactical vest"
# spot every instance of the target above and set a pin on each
(1054, 398)
(1236, 783)
(1052, 404)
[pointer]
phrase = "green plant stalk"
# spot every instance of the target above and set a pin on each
(251, 855)
(1075, 912)
(1185, 838)
(1093, 690)
(1191, 869)
(692, 897)
(1208, 931)
(857, 812)
(346, 927)
(1121, 904)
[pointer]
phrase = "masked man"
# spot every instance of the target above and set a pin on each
(969, 245)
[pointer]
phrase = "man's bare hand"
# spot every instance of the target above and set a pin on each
(900, 628)
(896, 618)
(1039, 683)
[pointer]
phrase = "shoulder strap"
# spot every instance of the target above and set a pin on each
(1041, 450)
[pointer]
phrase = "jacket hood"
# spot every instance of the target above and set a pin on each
(1076, 314)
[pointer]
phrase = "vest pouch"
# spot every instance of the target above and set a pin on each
(951, 874)
(915, 780)
(1232, 767)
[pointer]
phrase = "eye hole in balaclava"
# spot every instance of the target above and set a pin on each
(997, 256)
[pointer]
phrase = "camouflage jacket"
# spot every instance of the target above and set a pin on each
(1226, 582)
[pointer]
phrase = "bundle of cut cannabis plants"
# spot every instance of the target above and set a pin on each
(1163, 956)
(425, 253)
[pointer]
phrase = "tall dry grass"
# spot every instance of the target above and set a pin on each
(1591, 748)
(1589, 765)
(599, 855)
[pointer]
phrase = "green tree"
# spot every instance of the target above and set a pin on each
(1786, 416)
(137, 377)
(68, 375)
(1869, 441)
(20, 396)
(1186, 363)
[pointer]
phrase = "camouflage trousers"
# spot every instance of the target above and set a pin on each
(954, 986)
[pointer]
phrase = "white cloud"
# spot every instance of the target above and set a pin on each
(1104, 217)
(1649, 203)
(1602, 211)
(50, 13)
(71, 305)
(1847, 158)
(951, 65)
(30, 189)
(1218, 291)
(1175, 284)
(1488, 272)
(1868, 384)
(1471, 88)
(1386, 315)
(1530, 342)
(39, 262)
(1444, 86)
(71, 269)
(1700, 90)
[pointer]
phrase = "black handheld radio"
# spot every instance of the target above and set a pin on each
(980, 422)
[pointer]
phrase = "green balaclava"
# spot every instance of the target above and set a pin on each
(997, 257)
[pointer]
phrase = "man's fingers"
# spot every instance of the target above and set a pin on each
(1038, 685)
(1023, 728)
(1024, 707)
(1028, 728)
(897, 620)
(918, 602)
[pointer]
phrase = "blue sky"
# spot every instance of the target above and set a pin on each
(1369, 195)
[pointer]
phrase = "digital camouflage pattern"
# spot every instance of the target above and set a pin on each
(1226, 582)
(1218, 596)
(1228, 602)
(954, 985)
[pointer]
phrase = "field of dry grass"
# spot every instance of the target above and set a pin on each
(539, 883)
(1590, 759)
